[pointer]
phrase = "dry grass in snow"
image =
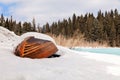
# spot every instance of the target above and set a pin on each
(76, 41)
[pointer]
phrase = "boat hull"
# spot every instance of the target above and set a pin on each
(35, 48)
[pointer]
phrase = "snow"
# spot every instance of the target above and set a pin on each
(37, 35)
(72, 65)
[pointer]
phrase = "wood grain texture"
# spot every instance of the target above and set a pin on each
(35, 48)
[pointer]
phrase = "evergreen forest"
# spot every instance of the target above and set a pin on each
(104, 27)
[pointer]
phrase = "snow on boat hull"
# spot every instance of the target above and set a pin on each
(35, 48)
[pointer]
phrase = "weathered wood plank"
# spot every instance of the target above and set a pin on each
(35, 48)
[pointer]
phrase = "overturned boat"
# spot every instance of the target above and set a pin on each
(35, 48)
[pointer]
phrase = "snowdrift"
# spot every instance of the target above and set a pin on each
(71, 65)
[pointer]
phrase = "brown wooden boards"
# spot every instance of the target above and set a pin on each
(35, 48)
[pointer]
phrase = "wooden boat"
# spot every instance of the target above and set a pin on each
(35, 48)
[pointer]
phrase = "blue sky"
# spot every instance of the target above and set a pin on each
(53, 10)
(4, 8)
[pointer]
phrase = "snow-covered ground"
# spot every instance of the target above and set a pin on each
(72, 65)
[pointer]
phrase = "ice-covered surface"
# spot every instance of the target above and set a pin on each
(109, 50)
(72, 65)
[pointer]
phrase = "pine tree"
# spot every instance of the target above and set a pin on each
(2, 20)
(47, 28)
(70, 28)
(11, 27)
(7, 24)
(34, 25)
(74, 21)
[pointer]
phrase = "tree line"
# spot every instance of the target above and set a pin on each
(18, 27)
(105, 27)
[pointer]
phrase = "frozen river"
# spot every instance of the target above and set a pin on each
(115, 51)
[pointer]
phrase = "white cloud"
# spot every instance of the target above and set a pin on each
(8, 1)
(52, 10)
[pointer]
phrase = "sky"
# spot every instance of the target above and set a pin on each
(53, 10)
